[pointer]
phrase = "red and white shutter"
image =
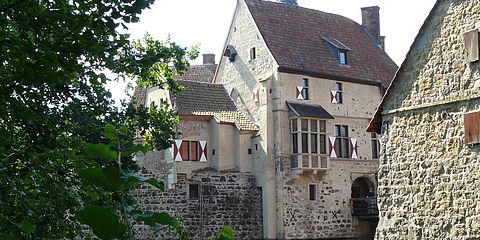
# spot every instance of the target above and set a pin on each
(176, 151)
(354, 147)
(300, 93)
(333, 96)
(256, 95)
(203, 151)
(332, 147)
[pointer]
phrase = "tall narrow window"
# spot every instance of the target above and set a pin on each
(305, 88)
(339, 89)
(342, 141)
(253, 53)
(342, 55)
(312, 192)
(375, 146)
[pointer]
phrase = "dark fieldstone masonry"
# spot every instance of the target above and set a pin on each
(225, 199)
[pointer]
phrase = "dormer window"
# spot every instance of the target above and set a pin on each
(338, 49)
(342, 56)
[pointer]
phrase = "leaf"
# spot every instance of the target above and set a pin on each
(103, 222)
(154, 218)
(27, 226)
(110, 131)
(101, 151)
(108, 178)
(136, 148)
(226, 233)
(122, 130)
(133, 178)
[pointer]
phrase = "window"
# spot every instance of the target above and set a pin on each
(375, 146)
(305, 89)
(152, 104)
(189, 150)
(193, 191)
(253, 53)
(312, 192)
(311, 134)
(339, 89)
(342, 141)
(342, 56)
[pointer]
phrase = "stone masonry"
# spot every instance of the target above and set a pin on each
(429, 179)
(227, 198)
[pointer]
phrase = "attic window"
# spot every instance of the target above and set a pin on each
(342, 55)
(338, 49)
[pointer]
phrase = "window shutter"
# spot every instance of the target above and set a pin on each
(354, 147)
(176, 151)
(203, 151)
(333, 96)
(471, 45)
(332, 147)
(472, 127)
(300, 93)
(256, 95)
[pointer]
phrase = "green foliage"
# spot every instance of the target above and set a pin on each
(58, 161)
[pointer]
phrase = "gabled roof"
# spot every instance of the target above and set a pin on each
(309, 110)
(199, 73)
(208, 99)
(294, 36)
(375, 124)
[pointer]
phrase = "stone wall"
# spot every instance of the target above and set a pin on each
(226, 199)
(429, 179)
(330, 214)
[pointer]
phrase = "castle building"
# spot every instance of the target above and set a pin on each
(274, 143)
(429, 120)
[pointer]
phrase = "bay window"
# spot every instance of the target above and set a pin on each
(309, 139)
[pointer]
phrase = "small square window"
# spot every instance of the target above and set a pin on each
(193, 191)
(312, 192)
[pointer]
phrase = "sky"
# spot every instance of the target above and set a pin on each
(205, 23)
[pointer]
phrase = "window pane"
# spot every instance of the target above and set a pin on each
(305, 125)
(323, 144)
(345, 148)
(339, 97)
(323, 127)
(373, 135)
(338, 147)
(194, 151)
(343, 58)
(344, 132)
(374, 149)
(338, 87)
(295, 143)
(312, 192)
(184, 150)
(305, 91)
(294, 125)
(305, 82)
(337, 130)
(314, 142)
(313, 126)
(304, 142)
(193, 192)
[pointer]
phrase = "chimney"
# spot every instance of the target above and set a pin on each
(209, 58)
(293, 2)
(371, 22)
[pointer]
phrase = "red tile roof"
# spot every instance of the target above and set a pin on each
(294, 36)
(199, 73)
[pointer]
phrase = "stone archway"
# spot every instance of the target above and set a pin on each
(364, 207)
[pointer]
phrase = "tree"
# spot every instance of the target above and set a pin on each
(65, 151)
